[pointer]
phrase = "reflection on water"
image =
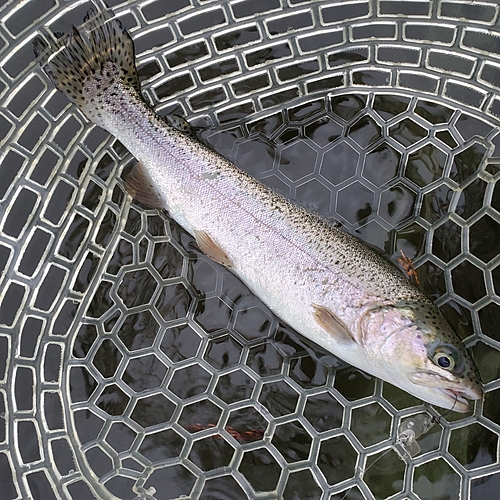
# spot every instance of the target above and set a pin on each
(437, 481)
(138, 330)
(433, 112)
(381, 164)
(174, 481)
(293, 441)
(489, 368)
(408, 132)
(474, 446)
(484, 236)
(336, 465)
(107, 358)
(471, 199)
(447, 241)
(365, 131)
(353, 384)
(82, 384)
(302, 486)
(436, 203)
(467, 162)
(211, 453)
(324, 412)
(426, 165)
(384, 474)
(370, 424)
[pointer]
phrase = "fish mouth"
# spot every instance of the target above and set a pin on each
(459, 399)
(447, 396)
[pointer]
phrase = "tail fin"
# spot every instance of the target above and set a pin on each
(97, 56)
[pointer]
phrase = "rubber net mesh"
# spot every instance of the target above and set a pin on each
(132, 366)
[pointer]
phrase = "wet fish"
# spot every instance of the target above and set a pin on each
(326, 284)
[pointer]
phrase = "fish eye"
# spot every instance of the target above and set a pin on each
(444, 360)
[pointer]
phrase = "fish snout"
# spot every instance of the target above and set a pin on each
(446, 391)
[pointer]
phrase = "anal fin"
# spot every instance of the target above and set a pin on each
(139, 186)
(333, 325)
(211, 249)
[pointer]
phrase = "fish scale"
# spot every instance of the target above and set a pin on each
(325, 283)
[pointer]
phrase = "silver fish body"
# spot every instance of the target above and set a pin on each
(326, 284)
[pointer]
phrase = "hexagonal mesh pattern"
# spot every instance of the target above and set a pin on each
(132, 366)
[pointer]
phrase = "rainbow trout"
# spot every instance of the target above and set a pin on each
(326, 284)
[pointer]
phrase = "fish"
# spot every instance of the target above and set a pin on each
(325, 283)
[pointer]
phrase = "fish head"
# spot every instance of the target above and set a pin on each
(424, 355)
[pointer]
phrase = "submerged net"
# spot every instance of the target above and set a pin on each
(132, 366)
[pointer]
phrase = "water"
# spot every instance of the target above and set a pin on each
(142, 367)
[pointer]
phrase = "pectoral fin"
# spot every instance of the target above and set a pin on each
(333, 325)
(139, 186)
(211, 249)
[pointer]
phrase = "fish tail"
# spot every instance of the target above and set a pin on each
(92, 62)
